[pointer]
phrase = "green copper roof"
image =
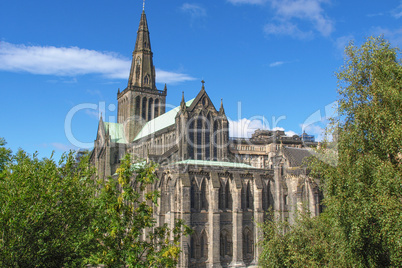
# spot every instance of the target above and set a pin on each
(163, 121)
(214, 163)
(116, 132)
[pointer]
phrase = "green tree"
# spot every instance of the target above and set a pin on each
(309, 242)
(5, 156)
(45, 210)
(363, 192)
(125, 230)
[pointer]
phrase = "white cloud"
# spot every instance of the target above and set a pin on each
(72, 61)
(287, 11)
(61, 61)
(171, 77)
(287, 28)
(290, 133)
(316, 130)
(254, 2)
(244, 128)
(196, 11)
(276, 63)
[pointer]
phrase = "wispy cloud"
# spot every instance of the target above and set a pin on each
(397, 12)
(341, 43)
(287, 28)
(171, 77)
(62, 147)
(289, 12)
(195, 11)
(95, 92)
(254, 2)
(93, 113)
(375, 15)
(276, 63)
(72, 61)
(393, 35)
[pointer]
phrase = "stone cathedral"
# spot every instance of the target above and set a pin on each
(221, 186)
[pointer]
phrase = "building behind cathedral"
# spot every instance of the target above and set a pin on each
(219, 185)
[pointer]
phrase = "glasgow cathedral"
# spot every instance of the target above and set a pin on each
(221, 186)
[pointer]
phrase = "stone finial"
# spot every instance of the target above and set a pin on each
(182, 103)
(221, 110)
(203, 84)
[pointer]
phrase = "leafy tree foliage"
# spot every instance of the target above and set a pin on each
(309, 242)
(45, 210)
(125, 229)
(5, 155)
(363, 192)
(56, 215)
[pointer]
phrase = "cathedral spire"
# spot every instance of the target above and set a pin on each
(142, 73)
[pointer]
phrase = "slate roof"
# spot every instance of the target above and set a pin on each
(163, 121)
(296, 156)
(116, 132)
(214, 163)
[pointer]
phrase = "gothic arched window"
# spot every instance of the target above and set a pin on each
(248, 245)
(215, 140)
(193, 193)
(156, 108)
(191, 145)
(221, 203)
(249, 197)
(192, 246)
(243, 197)
(225, 244)
(228, 196)
(150, 108)
(137, 105)
(265, 197)
(204, 198)
(146, 80)
(199, 136)
(144, 108)
(207, 127)
(204, 245)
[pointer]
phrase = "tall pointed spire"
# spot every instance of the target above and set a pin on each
(142, 73)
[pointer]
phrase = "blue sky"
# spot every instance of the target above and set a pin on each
(270, 60)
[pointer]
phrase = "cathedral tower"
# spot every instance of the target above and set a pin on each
(141, 101)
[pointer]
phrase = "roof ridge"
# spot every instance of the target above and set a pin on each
(167, 119)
